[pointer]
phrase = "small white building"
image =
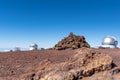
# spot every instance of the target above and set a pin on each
(17, 49)
(33, 46)
(109, 42)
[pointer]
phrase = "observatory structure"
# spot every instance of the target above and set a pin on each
(33, 46)
(109, 42)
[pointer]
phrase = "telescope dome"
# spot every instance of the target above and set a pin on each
(109, 42)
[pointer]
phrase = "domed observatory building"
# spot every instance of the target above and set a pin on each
(109, 42)
(33, 46)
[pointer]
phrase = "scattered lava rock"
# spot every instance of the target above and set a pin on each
(86, 64)
(79, 64)
(72, 41)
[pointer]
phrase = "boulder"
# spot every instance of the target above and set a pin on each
(86, 64)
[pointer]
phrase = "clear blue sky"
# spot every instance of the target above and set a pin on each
(45, 22)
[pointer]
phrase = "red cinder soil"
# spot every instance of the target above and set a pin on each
(18, 63)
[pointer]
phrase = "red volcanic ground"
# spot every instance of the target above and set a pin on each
(17, 63)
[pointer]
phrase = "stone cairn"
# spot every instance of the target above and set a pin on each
(72, 41)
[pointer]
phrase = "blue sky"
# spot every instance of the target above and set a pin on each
(45, 22)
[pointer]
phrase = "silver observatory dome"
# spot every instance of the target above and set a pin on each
(109, 42)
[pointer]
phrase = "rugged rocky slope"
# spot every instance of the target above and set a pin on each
(79, 64)
(86, 64)
(72, 41)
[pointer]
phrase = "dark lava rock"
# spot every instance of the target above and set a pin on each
(72, 41)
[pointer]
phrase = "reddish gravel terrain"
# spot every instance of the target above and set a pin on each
(17, 63)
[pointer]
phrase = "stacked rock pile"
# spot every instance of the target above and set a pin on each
(72, 41)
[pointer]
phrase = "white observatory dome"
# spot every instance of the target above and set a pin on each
(109, 42)
(33, 46)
